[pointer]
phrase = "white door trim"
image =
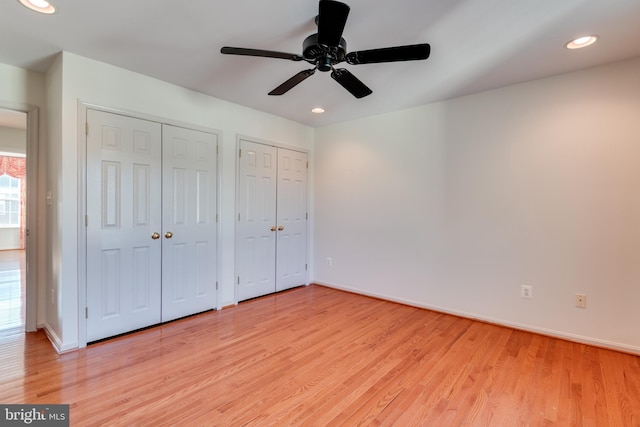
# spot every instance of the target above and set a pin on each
(32, 246)
(83, 106)
(31, 242)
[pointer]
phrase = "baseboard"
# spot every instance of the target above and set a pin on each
(610, 345)
(56, 342)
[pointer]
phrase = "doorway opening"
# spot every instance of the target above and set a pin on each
(13, 226)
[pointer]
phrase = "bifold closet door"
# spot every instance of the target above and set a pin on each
(151, 223)
(189, 222)
(123, 224)
(271, 244)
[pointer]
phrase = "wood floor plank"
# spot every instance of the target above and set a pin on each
(316, 356)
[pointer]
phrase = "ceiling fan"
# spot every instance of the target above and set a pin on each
(327, 48)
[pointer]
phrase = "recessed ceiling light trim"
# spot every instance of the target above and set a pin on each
(41, 6)
(581, 42)
(317, 110)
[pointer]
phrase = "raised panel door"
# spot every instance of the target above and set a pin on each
(256, 222)
(189, 242)
(123, 212)
(291, 244)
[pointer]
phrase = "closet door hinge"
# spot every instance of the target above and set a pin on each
(238, 280)
(217, 149)
(216, 286)
(86, 312)
(305, 267)
(86, 128)
(306, 215)
(240, 153)
(86, 220)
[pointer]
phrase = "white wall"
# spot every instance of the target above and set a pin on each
(51, 295)
(9, 238)
(20, 88)
(82, 79)
(452, 205)
(13, 140)
(457, 204)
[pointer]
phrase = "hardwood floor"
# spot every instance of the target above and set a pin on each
(12, 291)
(318, 356)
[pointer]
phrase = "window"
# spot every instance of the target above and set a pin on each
(9, 201)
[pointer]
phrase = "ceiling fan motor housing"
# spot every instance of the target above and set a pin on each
(323, 56)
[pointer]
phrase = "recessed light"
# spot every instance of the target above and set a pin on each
(317, 110)
(41, 6)
(581, 42)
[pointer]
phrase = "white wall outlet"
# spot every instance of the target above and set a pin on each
(329, 261)
(526, 291)
(581, 300)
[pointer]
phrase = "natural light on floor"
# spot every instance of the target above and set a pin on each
(12, 287)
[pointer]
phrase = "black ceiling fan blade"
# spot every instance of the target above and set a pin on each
(332, 17)
(260, 52)
(350, 83)
(292, 82)
(390, 54)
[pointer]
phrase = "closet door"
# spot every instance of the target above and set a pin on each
(123, 224)
(291, 244)
(189, 222)
(256, 222)
(271, 245)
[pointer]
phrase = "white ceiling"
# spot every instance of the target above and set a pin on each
(475, 45)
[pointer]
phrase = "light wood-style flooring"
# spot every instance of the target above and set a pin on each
(316, 356)
(12, 291)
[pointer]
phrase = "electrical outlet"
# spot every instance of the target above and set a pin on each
(526, 291)
(581, 300)
(329, 261)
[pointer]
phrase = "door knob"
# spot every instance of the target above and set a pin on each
(168, 234)
(273, 228)
(155, 236)
(280, 227)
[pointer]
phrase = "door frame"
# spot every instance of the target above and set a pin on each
(31, 243)
(83, 106)
(241, 137)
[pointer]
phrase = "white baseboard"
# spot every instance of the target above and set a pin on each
(625, 348)
(56, 342)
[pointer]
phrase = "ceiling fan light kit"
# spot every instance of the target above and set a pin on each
(325, 49)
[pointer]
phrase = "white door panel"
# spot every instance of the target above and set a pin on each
(189, 222)
(291, 255)
(257, 220)
(123, 211)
